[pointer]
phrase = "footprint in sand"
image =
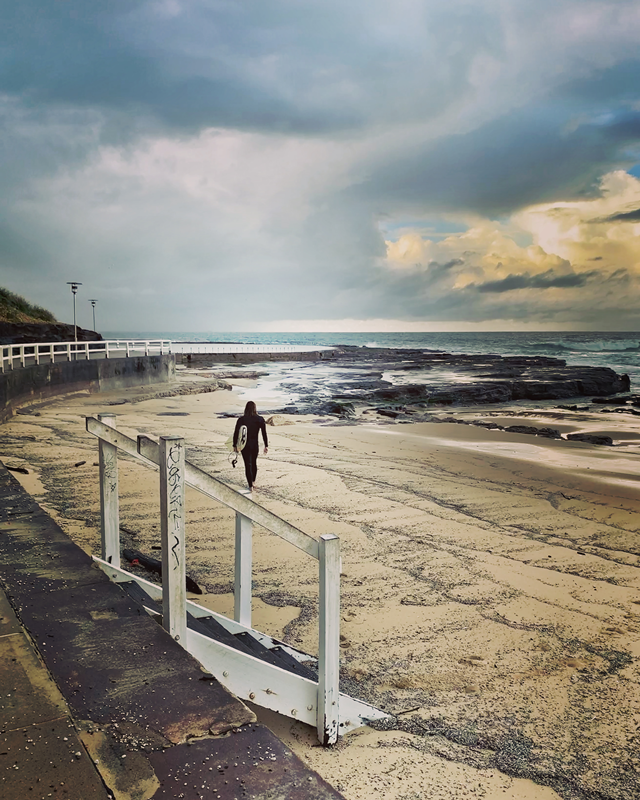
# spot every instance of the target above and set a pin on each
(575, 663)
(473, 661)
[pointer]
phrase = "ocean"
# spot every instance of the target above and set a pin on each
(619, 351)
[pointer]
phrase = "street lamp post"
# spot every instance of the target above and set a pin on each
(74, 288)
(93, 308)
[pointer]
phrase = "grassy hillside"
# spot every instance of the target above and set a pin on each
(14, 308)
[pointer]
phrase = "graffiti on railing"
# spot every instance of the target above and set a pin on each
(111, 469)
(175, 479)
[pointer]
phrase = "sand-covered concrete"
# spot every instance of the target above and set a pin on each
(491, 589)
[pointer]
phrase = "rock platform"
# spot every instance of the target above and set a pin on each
(388, 378)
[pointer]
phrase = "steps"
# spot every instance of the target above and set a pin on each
(252, 665)
(315, 702)
(243, 641)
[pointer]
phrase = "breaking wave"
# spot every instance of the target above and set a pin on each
(594, 346)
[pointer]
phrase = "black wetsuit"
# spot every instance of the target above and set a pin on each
(255, 423)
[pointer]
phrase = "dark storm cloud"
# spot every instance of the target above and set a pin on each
(523, 158)
(281, 67)
(415, 295)
(626, 216)
(546, 280)
(316, 69)
(438, 271)
(615, 84)
(425, 107)
(414, 292)
(120, 56)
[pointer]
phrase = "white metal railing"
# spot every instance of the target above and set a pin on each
(207, 348)
(318, 704)
(15, 356)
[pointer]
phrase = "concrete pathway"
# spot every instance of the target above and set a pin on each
(97, 701)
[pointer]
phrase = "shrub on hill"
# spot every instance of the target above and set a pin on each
(14, 308)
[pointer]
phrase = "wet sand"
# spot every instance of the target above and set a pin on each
(491, 587)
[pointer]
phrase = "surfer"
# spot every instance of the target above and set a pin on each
(252, 423)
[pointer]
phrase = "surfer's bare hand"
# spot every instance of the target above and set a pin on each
(235, 449)
(266, 449)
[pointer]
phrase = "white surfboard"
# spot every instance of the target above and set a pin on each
(242, 438)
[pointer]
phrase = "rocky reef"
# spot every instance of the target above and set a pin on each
(387, 377)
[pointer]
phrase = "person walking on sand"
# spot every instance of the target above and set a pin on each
(254, 424)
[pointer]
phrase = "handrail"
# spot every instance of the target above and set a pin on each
(148, 451)
(13, 356)
(169, 457)
(209, 348)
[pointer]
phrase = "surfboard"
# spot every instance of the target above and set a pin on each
(242, 438)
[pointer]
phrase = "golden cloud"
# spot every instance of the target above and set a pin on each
(560, 238)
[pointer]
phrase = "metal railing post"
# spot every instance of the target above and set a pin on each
(22, 355)
(86, 350)
(127, 349)
(109, 504)
(174, 594)
(243, 568)
(328, 704)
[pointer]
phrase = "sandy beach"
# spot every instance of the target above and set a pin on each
(491, 586)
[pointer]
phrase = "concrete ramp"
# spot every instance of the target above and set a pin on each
(101, 700)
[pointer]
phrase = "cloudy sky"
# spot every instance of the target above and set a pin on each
(212, 165)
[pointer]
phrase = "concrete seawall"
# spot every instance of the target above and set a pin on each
(208, 359)
(31, 384)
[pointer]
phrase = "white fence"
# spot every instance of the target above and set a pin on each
(319, 704)
(231, 347)
(15, 356)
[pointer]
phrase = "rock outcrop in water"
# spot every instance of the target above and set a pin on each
(387, 377)
(533, 383)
